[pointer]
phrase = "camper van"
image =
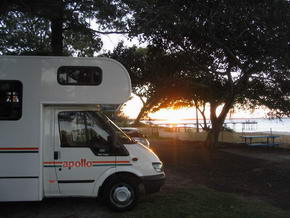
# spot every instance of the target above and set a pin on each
(56, 142)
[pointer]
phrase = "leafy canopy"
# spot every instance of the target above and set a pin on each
(54, 27)
(233, 47)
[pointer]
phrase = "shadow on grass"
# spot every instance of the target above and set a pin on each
(203, 202)
(195, 201)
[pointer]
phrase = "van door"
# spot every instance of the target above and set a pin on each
(50, 184)
(82, 151)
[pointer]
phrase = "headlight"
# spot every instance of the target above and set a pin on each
(158, 167)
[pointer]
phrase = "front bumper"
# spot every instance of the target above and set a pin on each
(153, 183)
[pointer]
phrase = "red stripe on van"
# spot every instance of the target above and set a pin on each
(96, 162)
(21, 149)
(123, 161)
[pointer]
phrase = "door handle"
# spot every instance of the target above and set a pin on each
(56, 155)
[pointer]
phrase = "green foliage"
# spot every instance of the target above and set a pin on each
(20, 35)
(53, 27)
(226, 44)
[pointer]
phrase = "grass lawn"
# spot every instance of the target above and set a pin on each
(202, 202)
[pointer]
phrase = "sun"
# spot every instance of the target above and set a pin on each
(173, 116)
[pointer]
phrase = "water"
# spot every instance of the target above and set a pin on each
(261, 124)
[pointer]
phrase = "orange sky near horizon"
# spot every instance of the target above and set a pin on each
(133, 106)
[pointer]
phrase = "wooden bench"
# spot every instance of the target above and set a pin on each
(270, 140)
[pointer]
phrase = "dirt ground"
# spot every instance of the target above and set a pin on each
(253, 173)
(260, 173)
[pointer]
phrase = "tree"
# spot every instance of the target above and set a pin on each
(153, 73)
(19, 35)
(238, 50)
(134, 61)
(53, 27)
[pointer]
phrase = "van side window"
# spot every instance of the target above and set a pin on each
(82, 129)
(79, 75)
(10, 100)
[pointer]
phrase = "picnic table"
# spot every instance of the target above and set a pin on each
(261, 140)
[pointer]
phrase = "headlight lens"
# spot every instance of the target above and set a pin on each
(158, 167)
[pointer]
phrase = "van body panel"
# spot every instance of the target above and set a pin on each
(19, 164)
(19, 189)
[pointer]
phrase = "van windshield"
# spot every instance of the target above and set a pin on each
(122, 137)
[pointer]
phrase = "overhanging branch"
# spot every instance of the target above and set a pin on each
(111, 32)
(227, 50)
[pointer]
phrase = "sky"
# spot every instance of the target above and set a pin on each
(110, 41)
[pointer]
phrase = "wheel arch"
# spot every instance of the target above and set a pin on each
(99, 181)
(124, 174)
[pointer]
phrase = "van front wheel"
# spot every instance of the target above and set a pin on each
(121, 194)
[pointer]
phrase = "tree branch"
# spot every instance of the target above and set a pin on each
(227, 50)
(142, 100)
(111, 32)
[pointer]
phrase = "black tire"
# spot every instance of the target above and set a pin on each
(121, 194)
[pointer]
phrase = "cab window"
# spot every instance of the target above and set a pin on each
(81, 129)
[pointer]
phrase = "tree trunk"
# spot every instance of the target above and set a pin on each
(140, 115)
(197, 121)
(217, 122)
(212, 140)
(56, 37)
(146, 107)
(202, 112)
(57, 30)
(204, 120)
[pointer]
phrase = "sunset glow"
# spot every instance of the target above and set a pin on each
(174, 116)
(133, 106)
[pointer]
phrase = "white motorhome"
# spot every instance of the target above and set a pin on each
(55, 142)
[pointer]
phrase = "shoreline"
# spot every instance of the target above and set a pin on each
(239, 125)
